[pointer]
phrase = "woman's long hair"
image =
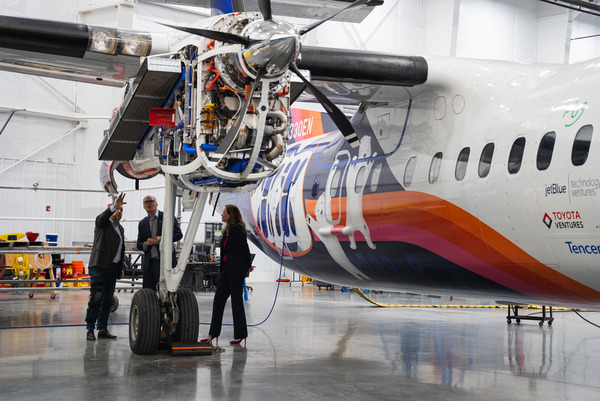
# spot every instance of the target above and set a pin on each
(235, 217)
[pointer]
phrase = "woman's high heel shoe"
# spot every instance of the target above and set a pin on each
(210, 338)
(236, 342)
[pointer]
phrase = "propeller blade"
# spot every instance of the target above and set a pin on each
(334, 112)
(216, 35)
(312, 26)
(232, 134)
(265, 9)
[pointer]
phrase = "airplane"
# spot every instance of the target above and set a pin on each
(456, 177)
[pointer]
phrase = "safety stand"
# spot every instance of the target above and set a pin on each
(518, 318)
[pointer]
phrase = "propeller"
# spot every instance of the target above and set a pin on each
(271, 48)
(224, 37)
(338, 117)
(265, 9)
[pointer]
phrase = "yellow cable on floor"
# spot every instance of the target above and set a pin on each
(362, 294)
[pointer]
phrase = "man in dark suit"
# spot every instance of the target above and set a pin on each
(106, 266)
(149, 236)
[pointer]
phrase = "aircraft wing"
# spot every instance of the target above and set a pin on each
(108, 56)
(71, 51)
(312, 9)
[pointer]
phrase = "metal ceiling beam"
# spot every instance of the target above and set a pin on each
(584, 6)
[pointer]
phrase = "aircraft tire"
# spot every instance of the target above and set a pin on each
(189, 317)
(144, 322)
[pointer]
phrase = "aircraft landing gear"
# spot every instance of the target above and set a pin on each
(180, 323)
(144, 322)
(188, 325)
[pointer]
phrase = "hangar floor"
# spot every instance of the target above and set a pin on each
(317, 344)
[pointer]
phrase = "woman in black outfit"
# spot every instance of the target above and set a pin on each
(235, 265)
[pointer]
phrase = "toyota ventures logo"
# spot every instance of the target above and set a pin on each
(563, 220)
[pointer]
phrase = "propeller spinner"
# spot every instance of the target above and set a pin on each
(278, 46)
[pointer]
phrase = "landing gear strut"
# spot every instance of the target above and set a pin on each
(173, 312)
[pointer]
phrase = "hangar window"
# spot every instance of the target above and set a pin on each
(515, 157)
(461, 164)
(434, 169)
(409, 172)
(485, 161)
(581, 145)
(544, 155)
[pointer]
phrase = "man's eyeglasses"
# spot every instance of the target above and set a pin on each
(149, 202)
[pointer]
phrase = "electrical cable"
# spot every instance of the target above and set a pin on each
(577, 313)
(280, 267)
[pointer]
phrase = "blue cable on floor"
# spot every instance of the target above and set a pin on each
(285, 232)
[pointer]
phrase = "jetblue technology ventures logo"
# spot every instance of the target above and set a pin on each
(555, 189)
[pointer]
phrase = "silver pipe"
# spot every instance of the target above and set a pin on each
(55, 189)
(191, 231)
(73, 219)
(166, 243)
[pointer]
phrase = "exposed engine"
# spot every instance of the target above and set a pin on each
(230, 128)
(222, 103)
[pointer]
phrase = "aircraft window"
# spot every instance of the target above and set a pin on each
(409, 172)
(434, 169)
(485, 161)
(581, 145)
(544, 156)
(516, 155)
(461, 164)
(360, 180)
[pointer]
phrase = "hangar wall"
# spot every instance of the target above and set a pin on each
(50, 159)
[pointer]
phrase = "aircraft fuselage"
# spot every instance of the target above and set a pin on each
(482, 182)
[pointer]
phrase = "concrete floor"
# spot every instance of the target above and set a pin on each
(317, 344)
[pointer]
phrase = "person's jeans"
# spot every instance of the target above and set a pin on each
(102, 289)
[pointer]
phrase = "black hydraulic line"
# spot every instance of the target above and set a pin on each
(577, 313)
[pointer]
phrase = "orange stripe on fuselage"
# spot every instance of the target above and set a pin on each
(455, 225)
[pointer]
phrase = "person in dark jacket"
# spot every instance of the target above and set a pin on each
(148, 240)
(236, 263)
(106, 266)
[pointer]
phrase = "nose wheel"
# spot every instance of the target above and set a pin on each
(144, 322)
